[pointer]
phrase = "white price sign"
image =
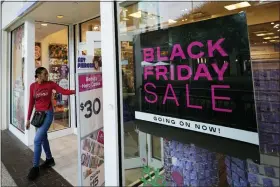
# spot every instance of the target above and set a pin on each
(90, 102)
(91, 145)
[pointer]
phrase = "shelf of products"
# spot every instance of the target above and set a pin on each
(58, 72)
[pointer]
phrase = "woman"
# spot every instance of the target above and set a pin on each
(40, 97)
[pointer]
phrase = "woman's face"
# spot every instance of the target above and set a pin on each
(44, 76)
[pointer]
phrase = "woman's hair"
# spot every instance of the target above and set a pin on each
(39, 71)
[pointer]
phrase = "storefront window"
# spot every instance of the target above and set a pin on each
(91, 25)
(51, 52)
(200, 87)
(17, 79)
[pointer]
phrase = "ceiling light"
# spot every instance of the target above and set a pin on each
(44, 24)
(136, 14)
(276, 26)
(257, 32)
(268, 38)
(237, 6)
(278, 30)
(171, 21)
(125, 19)
(272, 23)
(60, 16)
(274, 40)
(264, 42)
(265, 34)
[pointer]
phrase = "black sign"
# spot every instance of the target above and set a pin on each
(199, 72)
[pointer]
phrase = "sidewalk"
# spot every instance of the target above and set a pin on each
(17, 159)
(6, 178)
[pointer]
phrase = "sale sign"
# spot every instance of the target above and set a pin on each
(91, 129)
(198, 77)
(91, 113)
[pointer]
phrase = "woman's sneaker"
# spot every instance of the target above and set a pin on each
(48, 163)
(34, 173)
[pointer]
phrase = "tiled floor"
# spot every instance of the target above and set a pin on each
(17, 158)
(65, 153)
(56, 126)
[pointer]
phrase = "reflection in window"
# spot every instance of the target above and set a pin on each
(17, 79)
(185, 163)
(156, 143)
(91, 25)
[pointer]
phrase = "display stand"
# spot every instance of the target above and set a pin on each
(90, 112)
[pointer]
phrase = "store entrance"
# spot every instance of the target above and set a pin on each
(51, 52)
(58, 42)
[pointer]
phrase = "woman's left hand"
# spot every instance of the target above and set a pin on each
(27, 125)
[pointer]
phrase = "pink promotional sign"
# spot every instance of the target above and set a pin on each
(91, 135)
(90, 81)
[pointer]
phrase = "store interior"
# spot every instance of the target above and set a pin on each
(51, 52)
(140, 17)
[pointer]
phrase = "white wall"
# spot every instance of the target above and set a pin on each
(110, 116)
(9, 12)
(4, 77)
(60, 37)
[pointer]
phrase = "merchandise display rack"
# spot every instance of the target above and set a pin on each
(57, 59)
